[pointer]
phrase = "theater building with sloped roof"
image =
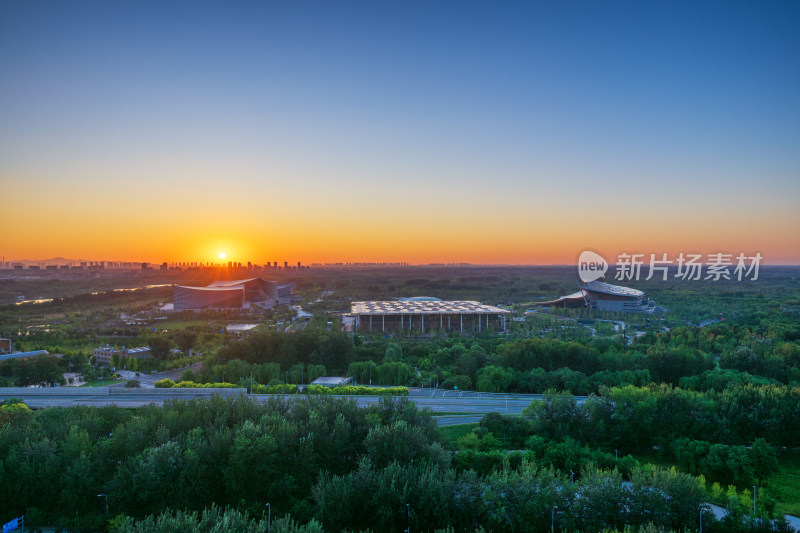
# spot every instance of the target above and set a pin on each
(231, 294)
(601, 296)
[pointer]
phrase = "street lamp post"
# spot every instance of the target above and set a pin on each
(571, 476)
(269, 515)
(553, 518)
(408, 518)
(106, 497)
(701, 518)
(616, 455)
(754, 501)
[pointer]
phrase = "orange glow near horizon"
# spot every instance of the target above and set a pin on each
(517, 237)
(541, 223)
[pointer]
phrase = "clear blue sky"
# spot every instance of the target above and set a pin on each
(690, 110)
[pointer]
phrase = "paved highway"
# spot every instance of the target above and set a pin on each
(456, 407)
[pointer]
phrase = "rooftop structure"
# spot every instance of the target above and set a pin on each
(22, 355)
(426, 314)
(240, 328)
(331, 381)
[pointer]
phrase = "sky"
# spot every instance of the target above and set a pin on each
(482, 132)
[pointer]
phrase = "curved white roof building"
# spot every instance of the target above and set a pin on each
(231, 294)
(601, 296)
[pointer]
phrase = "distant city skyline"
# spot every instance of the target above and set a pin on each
(518, 133)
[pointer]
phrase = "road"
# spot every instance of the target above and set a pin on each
(456, 407)
(148, 381)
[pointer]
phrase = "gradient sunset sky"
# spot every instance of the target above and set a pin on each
(486, 132)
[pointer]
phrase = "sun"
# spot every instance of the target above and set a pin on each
(222, 255)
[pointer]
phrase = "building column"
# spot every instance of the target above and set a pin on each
(370, 322)
(462, 322)
(441, 318)
(479, 323)
(383, 323)
(448, 322)
(422, 316)
(401, 322)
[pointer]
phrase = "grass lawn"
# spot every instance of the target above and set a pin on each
(451, 434)
(785, 485)
(179, 324)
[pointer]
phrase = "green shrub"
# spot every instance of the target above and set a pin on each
(275, 389)
(169, 384)
(356, 390)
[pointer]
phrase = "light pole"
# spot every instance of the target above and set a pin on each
(571, 476)
(269, 515)
(408, 518)
(701, 518)
(616, 455)
(106, 497)
(553, 518)
(754, 501)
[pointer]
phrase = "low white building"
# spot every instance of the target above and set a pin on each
(107, 353)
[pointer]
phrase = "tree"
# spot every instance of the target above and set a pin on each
(363, 372)
(495, 379)
(393, 353)
(185, 340)
(159, 346)
(764, 459)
